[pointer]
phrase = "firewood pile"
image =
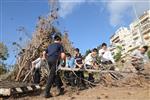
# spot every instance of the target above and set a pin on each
(138, 79)
(42, 37)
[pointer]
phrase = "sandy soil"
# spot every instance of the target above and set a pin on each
(131, 87)
(100, 93)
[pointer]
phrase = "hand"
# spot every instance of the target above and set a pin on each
(102, 53)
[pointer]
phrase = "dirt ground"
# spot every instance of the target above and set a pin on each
(131, 87)
(101, 93)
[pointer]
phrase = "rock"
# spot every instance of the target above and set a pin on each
(106, 96)
(78, 93)
(129, 93)
(98, 97)
(72, 98)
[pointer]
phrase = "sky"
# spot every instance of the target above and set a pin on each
(88, 22)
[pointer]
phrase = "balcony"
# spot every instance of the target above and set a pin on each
(146, 37)
(146, 20)
(144, 17)
(117, 41)
(146, 28)
(136, 38)
(115, 38)
(135, 33)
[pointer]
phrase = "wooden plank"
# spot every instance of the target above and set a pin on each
(29, 88)
(19, 90)
(5, 91)
(92, 70)
(88, 70)
(8, 88)
(37, 86)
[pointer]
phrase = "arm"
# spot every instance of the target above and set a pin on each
(63, 56)
(101, 52)
(44, 54)
(111, 57)
(79, 65)
(34, 63)
(134, 56)
(146, 59)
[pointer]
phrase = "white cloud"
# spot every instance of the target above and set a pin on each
(118, 9)
(67, 6)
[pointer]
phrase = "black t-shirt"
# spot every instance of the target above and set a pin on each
(79, 59)
(54, 50)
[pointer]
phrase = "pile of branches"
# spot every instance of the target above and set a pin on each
(129, 79)
(42, 37)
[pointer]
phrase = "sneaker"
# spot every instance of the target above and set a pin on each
(48, 96)
(61, 91)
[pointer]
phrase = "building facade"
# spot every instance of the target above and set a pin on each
(138, 34)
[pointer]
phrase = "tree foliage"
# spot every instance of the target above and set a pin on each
(118, 54)
(3, 56)
(3, 51)
(148, 53)
(2, 69)
(87, 52)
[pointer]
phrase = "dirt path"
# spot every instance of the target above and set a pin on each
(101, 93)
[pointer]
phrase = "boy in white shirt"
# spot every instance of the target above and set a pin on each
(36, 68)
(105, 54)
(139, 58)
(90, 62)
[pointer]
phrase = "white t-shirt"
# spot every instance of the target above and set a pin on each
(139, 55)
(40, 62)
(106, 55)
(89, 59)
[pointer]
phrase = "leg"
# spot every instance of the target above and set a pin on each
(51, 79)
(58, 80)
(91, 78)
(36, 76)
(72, 79)
(59, 83)
(82, 76)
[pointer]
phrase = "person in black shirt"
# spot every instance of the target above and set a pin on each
(79, 64)
(55, 52)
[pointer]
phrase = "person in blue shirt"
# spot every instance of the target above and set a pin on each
(70, 61)
(55, 53)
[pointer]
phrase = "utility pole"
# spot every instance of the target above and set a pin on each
(139, 26)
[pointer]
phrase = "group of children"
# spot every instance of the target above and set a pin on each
(50, 59)
(90, 61)
(76, 61)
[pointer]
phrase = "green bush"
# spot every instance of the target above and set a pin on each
(2, 69)
(118, 55)
(148, 53)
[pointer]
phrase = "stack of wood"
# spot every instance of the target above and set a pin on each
(42, 37)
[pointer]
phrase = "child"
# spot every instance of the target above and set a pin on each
(79, 64)
(90, 63)
(36, 68)
(70, 61)
(139, 58)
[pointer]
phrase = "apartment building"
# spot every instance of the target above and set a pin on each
(122, 38)
(131, 38)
